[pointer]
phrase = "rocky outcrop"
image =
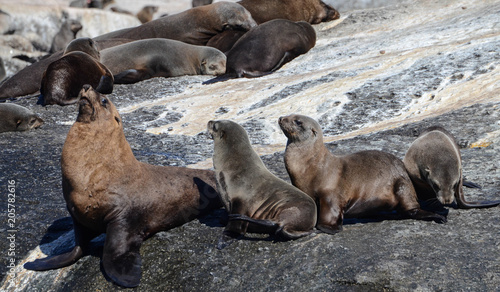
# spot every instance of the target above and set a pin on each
(374, 80)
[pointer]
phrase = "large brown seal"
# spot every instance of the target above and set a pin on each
(144, 59)
(312, 11)
(14, 117)
(434, 164)
(251, 193)
(194, 26)
(358, 184)
(267, 47)
(64, 78)
(107, 190)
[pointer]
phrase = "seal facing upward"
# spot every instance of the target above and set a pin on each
(354, 185)
(107, 190)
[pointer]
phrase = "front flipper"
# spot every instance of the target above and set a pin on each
(131, 76)
(121, 259)
(82, 238)
(463, 204)
(420, 214)
(105, 84)
(330, 216)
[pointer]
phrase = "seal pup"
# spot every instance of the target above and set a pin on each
(312, 11)
(66, 34)
(146, 13)
(267, 47)
(253, 195)
(107, 190)
(434, 164)
(140, 60)
(14, 117)
(358, 184)
(64, 78)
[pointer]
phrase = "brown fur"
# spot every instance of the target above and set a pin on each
(354, 185)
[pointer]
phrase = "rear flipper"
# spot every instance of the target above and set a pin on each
(270, 227)
(55, 262)
(121, 259)
(221, 78)
(420, 214)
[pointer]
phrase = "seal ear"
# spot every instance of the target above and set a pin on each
(19, 122)
(315, 133)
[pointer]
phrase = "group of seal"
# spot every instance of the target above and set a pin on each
(107, 190)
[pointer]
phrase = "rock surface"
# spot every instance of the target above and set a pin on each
(375, 79)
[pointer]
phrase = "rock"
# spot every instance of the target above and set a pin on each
(441, 67)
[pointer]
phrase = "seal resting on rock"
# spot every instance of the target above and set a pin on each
(312, 11)
(107, 190)
(267, 47)
(254, 197)
(64, 78)
(14, 117)
(354, 185)
(434, 164)
(144, 59)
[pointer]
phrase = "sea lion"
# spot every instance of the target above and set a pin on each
(251, 193)
(225, 40)
(312, 11)
(358, 184)
(14, 117)
(434, 164)
(275, 42)
(146, 13)
(64, 78)
(107, 190)
(66, 34)
(194, 26)
(144, 59)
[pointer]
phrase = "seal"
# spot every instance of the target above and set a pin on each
(107, 190)
(196, 3)
(194, 26)
(66, 34)
(312, 11)
(276, 42)
(146, 13)
(144, 59)
(434, 164)
(14, 117)
(359, 184)
(251, 193)
(64, 78)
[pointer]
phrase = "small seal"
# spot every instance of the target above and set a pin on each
(434, 164)
(107, 190)
(14, 117)
(66, 34)
(354, 185)
(64, 78)
(146, 13)
(144, 59)
(251, 193)
(312, 11)
(276, 42)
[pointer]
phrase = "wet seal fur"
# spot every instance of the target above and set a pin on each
(144, 59)
(359, 184)
(256, 200)
(64, 78)
(108, 191)
(434, 164)
(312, 11)
(14, 117)
(275, 42)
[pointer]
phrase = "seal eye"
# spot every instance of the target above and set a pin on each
(104, 102)
(298, 123)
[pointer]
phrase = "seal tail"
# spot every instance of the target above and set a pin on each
(223, 77)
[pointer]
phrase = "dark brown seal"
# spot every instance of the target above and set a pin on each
(225, 40)
(251, 193)
(107, 190)
(312, 11)
(144, 59)
(434, 164)
(267, 47)
(194, 26)
(14, 117)
(358, 184)
(64, 78)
